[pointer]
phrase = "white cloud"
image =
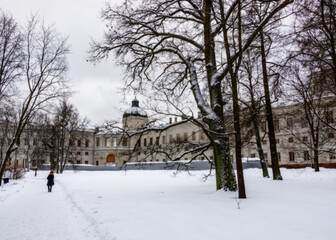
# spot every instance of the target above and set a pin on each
(97, 96)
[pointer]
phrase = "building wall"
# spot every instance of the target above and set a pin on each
(105, 148)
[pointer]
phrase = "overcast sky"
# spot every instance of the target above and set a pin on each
(96, 87)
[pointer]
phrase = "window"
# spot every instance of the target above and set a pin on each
(170, 138)
(201, 135)
(291, 156)
(305, 139)
(164, 140)
(306, 156)
(276, 125)
(332, 155)
(107, 142)
(114, 142)
(304, 122)
(78, 162)
(97, 141)
(86, 153)
(193, 136)
(265, 156)
(253, 155)
(97, 163)
(145, 142)
(290, 123)
(279, 156)
(329, 115)
(86, 162)
(79, 143)
(290, 140)
(277, 141)
(185, 136)
(178, 137)
(87, 143)
(124, 142)
(157, 140)
(78, 153)
(264, 142)
(331, 135)
(151, 141)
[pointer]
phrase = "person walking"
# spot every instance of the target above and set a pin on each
(50, 181)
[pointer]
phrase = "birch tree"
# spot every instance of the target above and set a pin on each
(177, 47)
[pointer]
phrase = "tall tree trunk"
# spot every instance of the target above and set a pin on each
(238, 141)
(225, 177)
(256, 128)
(269, 114)
(316, 151)
(260, 149)
(236, 109)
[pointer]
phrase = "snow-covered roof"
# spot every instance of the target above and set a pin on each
(135, 110)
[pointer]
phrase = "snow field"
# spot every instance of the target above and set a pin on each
(148, 205)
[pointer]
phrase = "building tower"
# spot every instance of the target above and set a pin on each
(135, 117)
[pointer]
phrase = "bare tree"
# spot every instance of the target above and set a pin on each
(312, 94)
(44, 74)
(177, 47)
(315, 29)
(67, 128)
(11, 54)
(253, 102)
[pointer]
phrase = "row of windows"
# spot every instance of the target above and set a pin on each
(85, 153)
(304, 139)
(329, 119)
(35, 142)
(79, 143)
(110, 142)
(150, 141)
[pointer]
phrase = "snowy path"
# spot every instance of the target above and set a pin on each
(33, 213)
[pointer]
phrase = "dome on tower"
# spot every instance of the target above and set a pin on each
(135, 110)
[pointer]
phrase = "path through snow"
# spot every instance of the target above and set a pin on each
(32, 213)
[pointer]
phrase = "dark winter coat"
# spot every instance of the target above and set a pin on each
(50, 179)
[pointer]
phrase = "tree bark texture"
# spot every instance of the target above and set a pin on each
(269, 114)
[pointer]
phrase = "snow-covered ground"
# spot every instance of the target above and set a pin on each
(148, 205)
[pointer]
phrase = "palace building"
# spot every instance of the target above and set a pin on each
(134, 142)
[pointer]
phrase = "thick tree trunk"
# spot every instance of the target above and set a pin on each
(225, 177)
(316, 160)
(269, 115)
